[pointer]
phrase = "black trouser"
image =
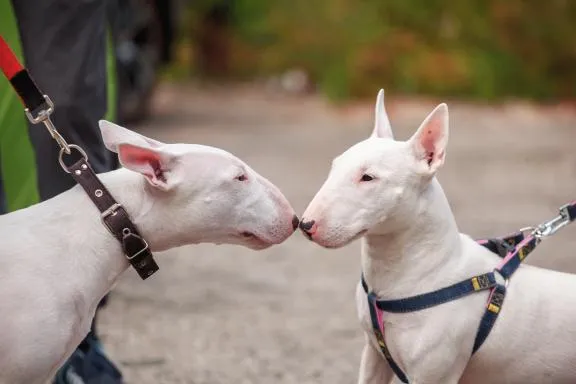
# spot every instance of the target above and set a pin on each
(64, 47)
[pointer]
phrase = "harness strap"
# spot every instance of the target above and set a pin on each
(490, 315)
(513, 259)
(440, 296)
(502, 245)
(378, 328)
(509, 264)
(20, 79)
(505, 246)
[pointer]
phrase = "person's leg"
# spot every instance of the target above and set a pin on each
(64, 43)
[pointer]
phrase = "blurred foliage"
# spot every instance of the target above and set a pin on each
(485, 49)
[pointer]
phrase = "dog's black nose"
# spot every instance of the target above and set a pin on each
(295, 222)
(306, 226)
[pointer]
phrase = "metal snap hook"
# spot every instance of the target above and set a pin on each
(43, 116)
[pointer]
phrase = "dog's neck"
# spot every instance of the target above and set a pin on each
(148, 208)
(154, 212)
(90, 259)
(420, 257)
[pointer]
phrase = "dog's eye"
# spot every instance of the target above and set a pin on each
(366, 177)
(241, 177)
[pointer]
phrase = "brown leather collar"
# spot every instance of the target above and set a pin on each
(115, 219)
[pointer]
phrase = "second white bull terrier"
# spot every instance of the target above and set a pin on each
(385, 192)
(57, 260)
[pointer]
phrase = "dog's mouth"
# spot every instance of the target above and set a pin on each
(254, 241)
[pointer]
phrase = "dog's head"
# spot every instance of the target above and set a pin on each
(205, 190)
(377, 184)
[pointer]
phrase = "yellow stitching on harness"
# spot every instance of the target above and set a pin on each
(380, 338)
(521, 253)
(475, 284)
(493, 308)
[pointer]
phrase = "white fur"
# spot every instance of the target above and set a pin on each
(57, 260)
(411, 245)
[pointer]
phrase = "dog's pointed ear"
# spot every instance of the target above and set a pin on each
(382, 128)
(429, 142)
(140, 154)
(154, 164)
(113, 135)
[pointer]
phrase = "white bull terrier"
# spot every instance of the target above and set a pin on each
(57, 260)
(385, 192)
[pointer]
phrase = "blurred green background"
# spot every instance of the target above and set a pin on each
(475, 49)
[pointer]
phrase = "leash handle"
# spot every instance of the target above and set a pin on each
(20, 79)
(38, 106)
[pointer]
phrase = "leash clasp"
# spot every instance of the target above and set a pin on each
(43, 116)
(550, 227)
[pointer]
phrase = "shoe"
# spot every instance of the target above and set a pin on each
(89, 365)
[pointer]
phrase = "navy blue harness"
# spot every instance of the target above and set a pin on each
(513, 249)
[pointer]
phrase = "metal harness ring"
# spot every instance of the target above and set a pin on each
(63, 150)
(498, 276)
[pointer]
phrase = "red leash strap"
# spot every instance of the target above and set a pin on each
(8, 61)
(32, 98)
(20, 79)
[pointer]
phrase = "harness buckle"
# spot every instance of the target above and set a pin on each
(504, 247)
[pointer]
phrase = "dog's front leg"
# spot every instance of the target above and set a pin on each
(446, 373)
(373, 368)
